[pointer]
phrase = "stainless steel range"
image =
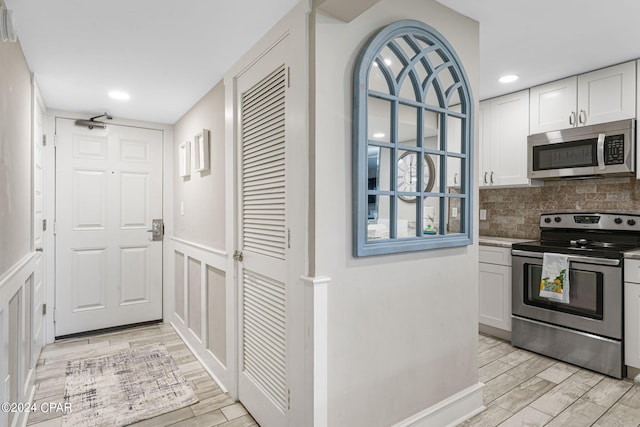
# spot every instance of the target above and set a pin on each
(588, 330)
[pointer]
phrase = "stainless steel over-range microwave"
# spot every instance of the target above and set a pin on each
(602, 149)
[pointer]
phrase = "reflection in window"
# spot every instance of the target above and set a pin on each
(412, 143)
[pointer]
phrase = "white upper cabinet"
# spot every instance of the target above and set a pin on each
(504, 127)
(553, 105)
(600, 96)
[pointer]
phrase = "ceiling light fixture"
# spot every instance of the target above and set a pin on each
(379, 135)
(509, 78)
(120, 96)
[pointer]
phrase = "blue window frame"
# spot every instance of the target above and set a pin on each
(412, 143)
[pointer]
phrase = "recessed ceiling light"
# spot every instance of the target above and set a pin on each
(388, 61)
(379, 135)
(509, 78)
(121, 96)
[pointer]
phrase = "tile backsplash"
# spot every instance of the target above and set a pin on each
(515, 212)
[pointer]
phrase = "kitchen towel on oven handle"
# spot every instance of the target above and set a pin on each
(554, 280)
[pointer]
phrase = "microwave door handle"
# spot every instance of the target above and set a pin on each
(600, 152)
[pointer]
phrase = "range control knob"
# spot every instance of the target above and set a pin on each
(557, 219)
(618, 220)
(547, 220)
(631, 222)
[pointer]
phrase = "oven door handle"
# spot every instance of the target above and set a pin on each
(572, 258)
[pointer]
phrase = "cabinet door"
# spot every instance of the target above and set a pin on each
(607, 95)
(553, 106)
(495, 296)
(484, 143)
(632, 324)
(509, 131)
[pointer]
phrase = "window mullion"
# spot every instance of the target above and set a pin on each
(393, 214)
(421, 169)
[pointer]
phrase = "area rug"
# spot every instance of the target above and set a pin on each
(122, 388)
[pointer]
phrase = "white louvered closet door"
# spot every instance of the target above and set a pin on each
(263, 385)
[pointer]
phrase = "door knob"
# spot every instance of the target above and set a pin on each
(156, 230)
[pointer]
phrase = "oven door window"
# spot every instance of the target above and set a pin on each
(585, 294)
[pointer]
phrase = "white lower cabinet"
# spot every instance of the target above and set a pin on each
(495, 287)
(632, 313)
(632, 324)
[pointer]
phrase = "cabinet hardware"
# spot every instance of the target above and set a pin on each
(485, 178)
(238, 256)
(491, 177)
(582, 117)
(572, 118)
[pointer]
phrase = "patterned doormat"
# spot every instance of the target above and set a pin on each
(122, 388)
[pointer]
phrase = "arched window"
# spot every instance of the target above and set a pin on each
(413, 129)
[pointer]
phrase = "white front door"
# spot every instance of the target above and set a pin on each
(108, 191)
(263, 385)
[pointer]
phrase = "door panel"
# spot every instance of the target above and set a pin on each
(264, 372)
(89, 199)
(108, 191)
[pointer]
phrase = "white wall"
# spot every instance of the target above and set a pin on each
(15, 155)
(202, 193)
(17, 262)
(197, 244)
(402, 329)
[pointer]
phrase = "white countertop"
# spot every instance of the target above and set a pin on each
(505, 242)
(632, 254)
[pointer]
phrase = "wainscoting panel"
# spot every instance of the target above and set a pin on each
(200, 315)
(20, 337)
(217, 312)
(179, 285)
(195, 297)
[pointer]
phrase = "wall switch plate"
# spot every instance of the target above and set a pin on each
(182, 208)
(483, 214)
(454, 212)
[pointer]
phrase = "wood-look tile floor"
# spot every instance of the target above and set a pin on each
(526, 389)
(215, 408)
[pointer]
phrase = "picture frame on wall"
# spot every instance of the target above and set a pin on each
(184, 155)
(200, 152)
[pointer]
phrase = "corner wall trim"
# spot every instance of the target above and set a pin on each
(317, 299)
(450, 411)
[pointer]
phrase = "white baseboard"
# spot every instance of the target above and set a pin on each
(449, 412)
(208, 361)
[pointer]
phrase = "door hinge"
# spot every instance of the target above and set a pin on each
(54, 314)
(44, 140)
(44, 225)
(55, 139)
(54, 228)
(44, 309)
(289, 399)
(288, 76)
(288, 238)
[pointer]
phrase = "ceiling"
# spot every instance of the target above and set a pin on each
(168, 54)
(545, 40)
(165, 54)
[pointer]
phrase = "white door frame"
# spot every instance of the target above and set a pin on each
(49, 211)
(296, 25)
